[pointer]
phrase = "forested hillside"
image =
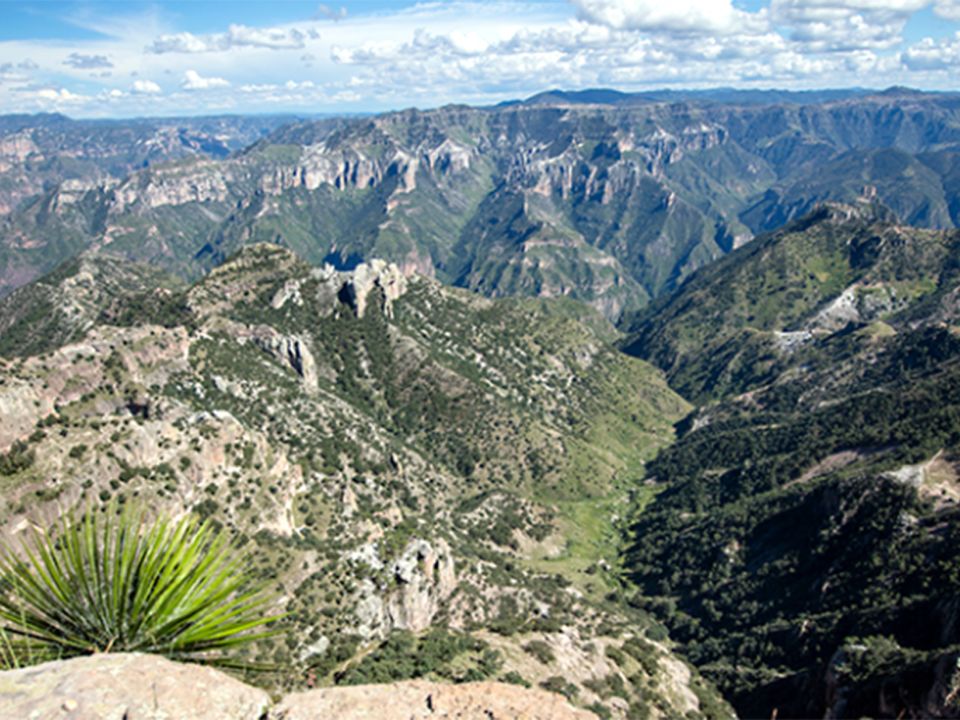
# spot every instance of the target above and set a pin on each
(820, 475)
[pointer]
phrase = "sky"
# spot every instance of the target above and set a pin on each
(90, 58)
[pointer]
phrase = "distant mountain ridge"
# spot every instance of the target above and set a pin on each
(605, 96)
(42, 150)
(613, 204)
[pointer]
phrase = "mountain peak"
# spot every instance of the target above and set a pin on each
(280, 276)
(864, 210)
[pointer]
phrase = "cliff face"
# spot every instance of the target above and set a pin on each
(404, 460)
(610, 204)
(37, 151)
(141, 687)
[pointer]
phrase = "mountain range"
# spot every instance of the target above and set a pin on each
(649, 400)
(610, 202)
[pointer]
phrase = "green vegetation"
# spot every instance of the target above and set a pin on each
(18, 458)
(557, 684)
(478, 455)
(816, 499)
(437, 654)
(541, 651)
(613, 205)
(115, 582)
(717, 335)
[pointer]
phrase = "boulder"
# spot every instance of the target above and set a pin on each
(126, 686)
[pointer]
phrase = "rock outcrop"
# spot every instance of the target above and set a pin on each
(418, 700)
(291, 350)
(424, 577)
(368, 277)
(126, 687)
(140, 687)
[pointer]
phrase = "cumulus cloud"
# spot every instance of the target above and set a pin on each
(16, 72)
(258, 87)
(61, 96)
(431, 53)
(929, 54)
(192, 80)
(948, 9)
(236, 36)
(830, 25)
(87, 62)
(326, 12)
(180, 43)
(687, 16)
(145, 87)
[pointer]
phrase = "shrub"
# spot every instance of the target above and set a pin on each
(541, 651)
(557, 684)
(111, 582)
(515, 678)
(18, 458)
(600, 710)
(77, 451)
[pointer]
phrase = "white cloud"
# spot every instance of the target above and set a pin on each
(330, 13)
(929, 54)
(180, 43)
(192, 80)
(948, 9)
(431, 53)
(236, 36)
(145, 87)
(61, 96)
(87, 62)
(693, 16)
(831, 25)
(258, 88)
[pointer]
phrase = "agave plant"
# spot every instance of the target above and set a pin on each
(112, 582)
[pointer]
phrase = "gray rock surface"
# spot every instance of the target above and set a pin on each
(416, 700)
(131, 686)
(147, 687)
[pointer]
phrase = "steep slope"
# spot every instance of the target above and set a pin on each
(62, 307)
(430, 477)
(823, 477)
(612, 204)
(740, 322)
(39, 151)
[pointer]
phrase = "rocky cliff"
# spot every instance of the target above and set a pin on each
(609, 203)
(404, 462)
(146, 687)
(37, 150)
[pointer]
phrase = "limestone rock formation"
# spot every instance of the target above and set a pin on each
(140, 687)
(128, 686)
(291, 350)
(377, 274)
(425, 577)
(417, 699)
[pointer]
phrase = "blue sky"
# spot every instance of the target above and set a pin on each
(166, 58)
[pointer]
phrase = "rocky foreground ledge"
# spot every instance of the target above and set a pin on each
(148, 687)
